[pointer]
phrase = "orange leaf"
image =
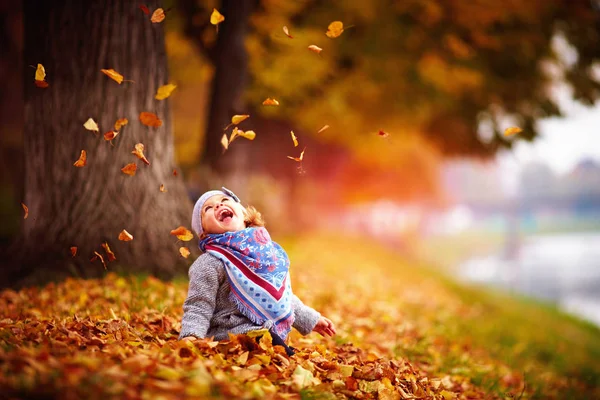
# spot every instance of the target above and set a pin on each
(315, 49)
(298, 158)
(40, 76)
(162, 188)
(287, 32)
(182, 233)
(91, 125)
(129, 169)
(216, 17)
(125, 236)
(158, 16)
(174, 172)
(26, 211)
(121, 122)
(98, 255)
(294, 139)
(164, 91)
(42, 84)
(114, 75)
(383, 134)
(335, 29)
(82, 160)
(150, 119)
(139, 152)
(73, 251)
(110, 135)
(323, 128)
(109, 253)
(270, 102)
(184, 251)
(144, 9)
(512, 131)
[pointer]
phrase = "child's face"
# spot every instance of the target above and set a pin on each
(221, 214)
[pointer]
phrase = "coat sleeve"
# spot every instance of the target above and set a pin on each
(305, 318)
(199, 305)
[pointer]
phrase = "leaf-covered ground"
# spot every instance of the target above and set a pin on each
(404, 332)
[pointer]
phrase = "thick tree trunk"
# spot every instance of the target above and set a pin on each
(84, 207)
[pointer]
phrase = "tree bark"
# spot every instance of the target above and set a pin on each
(85, 207)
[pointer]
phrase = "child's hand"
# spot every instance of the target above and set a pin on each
(325, 327)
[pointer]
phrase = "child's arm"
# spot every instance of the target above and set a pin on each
(199, 305)
(305, 318)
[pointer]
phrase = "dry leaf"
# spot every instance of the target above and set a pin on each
(109, 253)
(287, 32)
(216, 17)
(144, 9)
(26, 211)
(42, 84)
(270, 102)
(158, 16)
(182, 234)
(174, 172)
(73, 251)
(335, 29)
(129, 169)
(164, 91)
(139, 152)
(236, 119)
(162, 188)
(121, 122)
(512, 131)
(150, 119)
(315, 49)
(225, 142)
(125, 236)
(114, 75)
(82, 159)
(40, 76)
(294, 139)
(98, 255)
(383, 134)
(250, 135)
(91, 125)
(323, 128)
(184, 251)
(297, 158)
(110, 135)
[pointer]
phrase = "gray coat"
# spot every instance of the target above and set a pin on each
(209, 312)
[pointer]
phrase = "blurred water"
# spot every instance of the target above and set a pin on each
(561, 268)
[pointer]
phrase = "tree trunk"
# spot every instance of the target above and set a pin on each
(85, 207)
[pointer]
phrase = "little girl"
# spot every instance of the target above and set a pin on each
(241, 282)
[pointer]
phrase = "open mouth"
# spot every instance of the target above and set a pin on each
(225, 215)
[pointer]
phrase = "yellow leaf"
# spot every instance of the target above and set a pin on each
(315, 49)
(236, 119)
(512, 131)
(125, 236)
(26, 211)
(164, 91)
(139, 152)
(110, 135)
(158, 16)
(40, 73)
(224, 142)
(216, 17)
(323, 128)
(250, 135)
(270, 102)
(129, 169)
(335, 29)
(182, 234)
(114, 75)
(73, 251)
(302, 377)
(82, 160)
(162, 188)
(150, 119)
(298, 158)
(243, 358)
(120, 123)
(184, 251)
(91, 125)
(294, 139)
(447, 395)
(287, 32)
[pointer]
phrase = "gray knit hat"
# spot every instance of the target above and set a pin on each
(197, 216)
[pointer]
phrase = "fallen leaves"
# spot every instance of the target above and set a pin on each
(138, 151)
(26, 209)
(164, 91)
(335, 29)
(125, 236)
(40, 77)
(91, 125)
(82, 161)
(129, 169)
(512, 131)
(150, 119)
(182, 233)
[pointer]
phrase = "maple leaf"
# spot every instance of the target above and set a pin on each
(121, 122)
(150, 119)
(315, 49)
(162, 188)
(184, 251)
(158, 16)
(182, 233)
(26, 209)
(139, 152)
(73, 251)
(144, 9)
(91, 125)
(287, 32)
(164, 91)
(335, 29)
(40, 77)
(325, 127)
(125, 236)
(294, 139)
(270, 102)
(110, 135)
(82, 160)
(298, 158)
(216, 17)
(512, 131)
(114, 75)
(129, 169)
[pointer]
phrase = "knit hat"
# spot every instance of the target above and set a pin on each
(197, 216)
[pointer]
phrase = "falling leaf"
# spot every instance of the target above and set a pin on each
(270, 102)
(325, 127)
(174, 172)
(294, 139)
(109, 253)
(110, 135)
(82, 160)
(42, 84)
(224, 142)
(144, 9)
(512, 131)
(184, 251)
(150, 119)
(298, 158)
(91, 125)
(383, 134)
(287, 32)
(125, 236)
(26, 211)
(139, 152)
(40, 76)
(121, 122)
(236, 119)
(164, 91)
(182, 234)
(315, 49)
(158, 16)
(114, 75)
(98, 255)
(335, 29)
(129, 169)
(216, 17)
(250, 135)
(73, 251)
(162, 188)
